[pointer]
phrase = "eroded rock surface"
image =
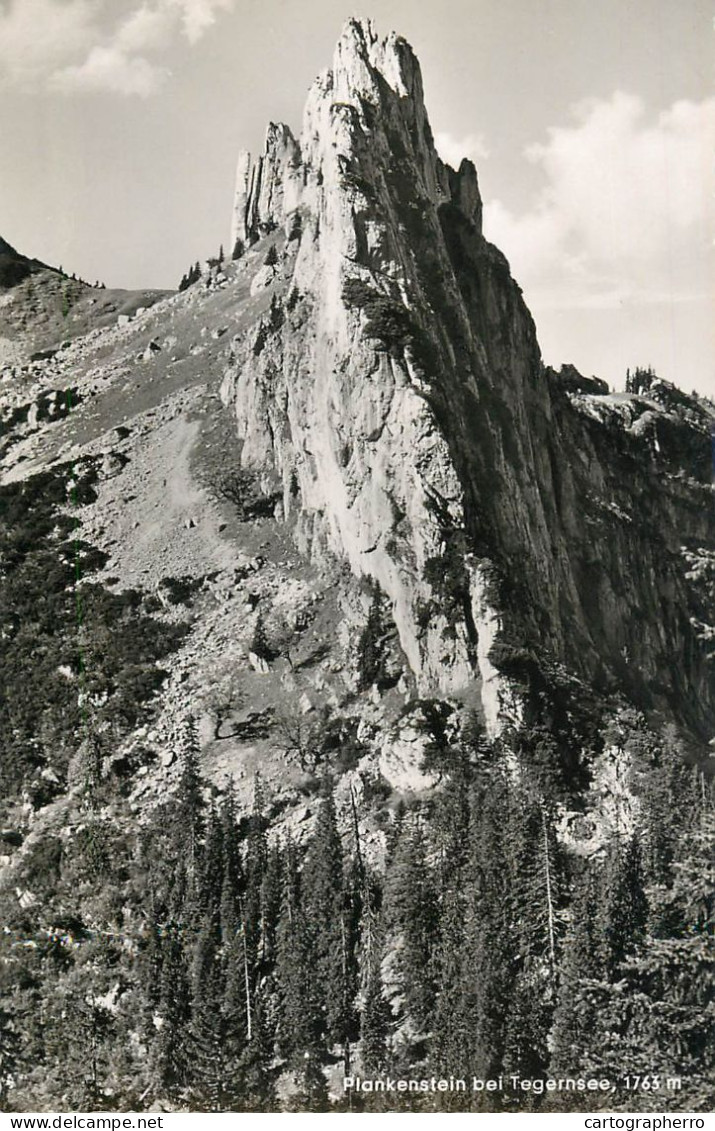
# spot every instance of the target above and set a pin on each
(396, 387)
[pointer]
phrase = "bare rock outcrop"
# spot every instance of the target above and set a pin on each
(397, 389)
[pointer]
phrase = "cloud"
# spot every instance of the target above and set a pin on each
(624, 214)
(452, 149)
(110, 69)
(145, 29)
(197, 16)
(66, 45)
(37, 35)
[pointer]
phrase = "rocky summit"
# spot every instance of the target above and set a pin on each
(338, 624)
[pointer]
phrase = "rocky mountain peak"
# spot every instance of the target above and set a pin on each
(15, 267)
(326, 604)
(364, 63)
(407, 410)
(361, 116)
(5, 248)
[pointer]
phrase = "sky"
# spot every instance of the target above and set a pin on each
(591, 123)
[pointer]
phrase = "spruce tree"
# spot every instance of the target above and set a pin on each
(411, 914)
(90, 754)
(189, 806)
(170, 1054)
(623, 909)
(574, 1023)
(535, 878)
(232, 877)
(375, 1025)
(211, 863)
(208, 1068)
(670, 799)
(312, 1091)
(490, 948)
(670, 1014)
(82, 1035)
(270, 907)
(453, 1022)
(371, 644)
(300, 1017)
(256, 861)
(254, 1089)
(330, 924)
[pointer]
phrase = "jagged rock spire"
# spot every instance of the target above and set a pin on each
(373, 84)
(407, 411)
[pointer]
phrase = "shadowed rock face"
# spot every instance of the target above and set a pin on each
(399, 393)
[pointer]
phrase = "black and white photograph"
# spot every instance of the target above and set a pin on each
(357, 560)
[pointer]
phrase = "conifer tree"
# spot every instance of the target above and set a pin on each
(253, 1084)
(395, 830)
(670, 799)
(574, 1021)
(312, 1091)
(208, 1068)
(411, 912)
(489, 957)
(211, 863)
(170, 1050)
(170, 1054)
(189, 806)
(300, 1022)
(451, 819)
(599, 978)
(82, 1032)
(623, 909)
(149, 968)
(670, 1014)
(371, 644)
(90, 754)
(270, 907)
(330, 925)
(232, 878)
(375, 1025)
(256, 861)
(536, 906)
(452, 1019)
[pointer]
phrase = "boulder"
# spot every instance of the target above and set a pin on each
(258, 663)
(262, 279)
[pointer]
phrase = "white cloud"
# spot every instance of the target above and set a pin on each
(110, 69)
(197, 16)
(65, 45)
(625, 214)
(37, 35)
(145, 29)
(452, 149)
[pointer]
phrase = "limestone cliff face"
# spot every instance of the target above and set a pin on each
(395, 385)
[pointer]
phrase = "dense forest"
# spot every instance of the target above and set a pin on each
(195, 956)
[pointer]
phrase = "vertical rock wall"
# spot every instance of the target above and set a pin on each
(403, 402)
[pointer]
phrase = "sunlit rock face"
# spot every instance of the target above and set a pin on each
(396, 388)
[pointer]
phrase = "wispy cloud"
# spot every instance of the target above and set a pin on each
(80, 45)
(625, 213)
